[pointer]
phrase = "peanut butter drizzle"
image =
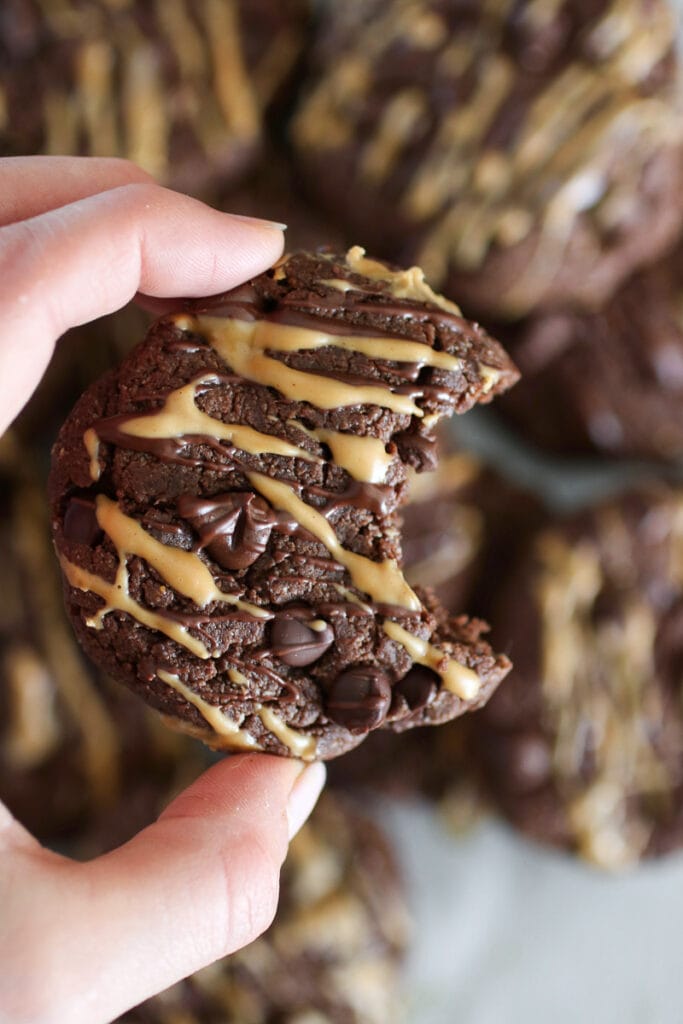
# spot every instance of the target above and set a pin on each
(404, 284)
(237, 738)
(180, 417)
(183, 570)
(92, 446)
(457, 678)
(301, 745)
(383, 581)
(364, 458)
(117, 599)
(242, 344)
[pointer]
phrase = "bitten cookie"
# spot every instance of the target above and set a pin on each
(612, 380)
(334, 952)
(70, 744)
(523, 154)
(178, 87)
(225, 509)
(583, 747)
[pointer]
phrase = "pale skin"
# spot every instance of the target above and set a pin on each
(81, 943)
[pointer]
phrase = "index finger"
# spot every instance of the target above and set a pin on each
(81, 261)
(31, 185)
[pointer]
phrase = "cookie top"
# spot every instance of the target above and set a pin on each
(333, 954)
(225, 508)
(523, 154)
(610, 381)
(179, 88)
(583, 745)
(63, 731)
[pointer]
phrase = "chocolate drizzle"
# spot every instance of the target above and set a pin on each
(234, 528)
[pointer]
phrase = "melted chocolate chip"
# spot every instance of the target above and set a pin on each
(418, 687)
(298, 644)
(234, 528)
(419, 452)
(359, 698)
(80, 522)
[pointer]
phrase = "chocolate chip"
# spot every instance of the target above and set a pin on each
(418, 687)
(80, 522)
(359, 698)
(299, 644)
(234, 528)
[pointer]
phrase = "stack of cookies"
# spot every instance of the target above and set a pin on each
(256, 532)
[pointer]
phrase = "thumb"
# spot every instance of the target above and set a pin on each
(87, 941)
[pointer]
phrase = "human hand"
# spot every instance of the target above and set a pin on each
(81, 943)
(79, 238)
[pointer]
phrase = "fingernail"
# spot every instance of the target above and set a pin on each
(304, 795)
(259, 221)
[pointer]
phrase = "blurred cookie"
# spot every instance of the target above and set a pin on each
(69, 745)
(583, 747)
(178, 87)
(332, 955)
(273, 192)
(443, 530)
(611, 380)
(225, 509)
(523, 154)
(81, 356)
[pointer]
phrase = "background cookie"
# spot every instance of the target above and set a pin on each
(611, 380)
(251, 589)
(583, 747)
(180, 88)
(522, 154)
(442, 531)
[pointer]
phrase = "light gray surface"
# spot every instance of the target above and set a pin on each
(509, 932)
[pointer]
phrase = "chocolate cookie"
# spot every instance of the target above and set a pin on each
(332, 955)
(523, 154)
(612, 380)
(225, 509)
(583, 747)
(180, 88)
(69, 744)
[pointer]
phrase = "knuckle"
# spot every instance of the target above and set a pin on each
(252, 886)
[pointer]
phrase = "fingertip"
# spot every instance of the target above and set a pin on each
(304, 796)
